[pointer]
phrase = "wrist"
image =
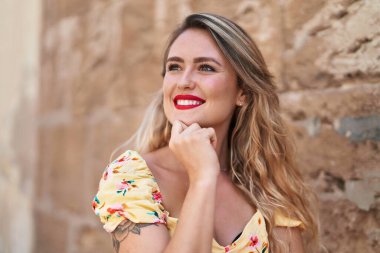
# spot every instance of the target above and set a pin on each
(204, 180)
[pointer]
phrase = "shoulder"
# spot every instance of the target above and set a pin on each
(291, 236)
(288, 229)
(128, 191)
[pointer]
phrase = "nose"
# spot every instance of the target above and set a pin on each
(186, 80)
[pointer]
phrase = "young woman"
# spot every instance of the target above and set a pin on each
(212, 169)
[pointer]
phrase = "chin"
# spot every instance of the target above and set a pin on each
(186, 121)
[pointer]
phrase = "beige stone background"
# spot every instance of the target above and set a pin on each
(76, 76)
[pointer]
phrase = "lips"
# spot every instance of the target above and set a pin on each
(184, 102)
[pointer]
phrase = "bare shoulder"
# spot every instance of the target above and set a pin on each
(133, 237)
(292, 236)
(157, 160)
(152, 158)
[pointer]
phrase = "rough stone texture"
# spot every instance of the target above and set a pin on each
(101, 64)
(91, 240)
(359, 128)
(330, 42)
(52, 233)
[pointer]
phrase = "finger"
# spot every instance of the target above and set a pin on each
(193, 127)
(177, 128)
(211, 135)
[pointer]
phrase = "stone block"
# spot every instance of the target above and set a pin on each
(359, 128)
(61, 64)
(345, 228)
(332, 103)
(98, 56)
(54, 11)
(363, 191)
(224, 7)
(330, 152)
(92, 239)
(51, 233)
(120, 66)
(61, 174)
(332, 42)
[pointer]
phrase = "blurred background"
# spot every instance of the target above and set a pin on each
(77, 75)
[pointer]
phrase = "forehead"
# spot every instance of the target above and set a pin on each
(195, 42)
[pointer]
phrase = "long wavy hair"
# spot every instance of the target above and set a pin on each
(261, 159)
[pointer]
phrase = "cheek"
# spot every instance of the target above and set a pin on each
(167, 91)
(221, 87)
(166, 87)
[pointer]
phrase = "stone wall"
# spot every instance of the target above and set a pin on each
(101, 64)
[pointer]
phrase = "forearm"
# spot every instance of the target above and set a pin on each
(194, 231)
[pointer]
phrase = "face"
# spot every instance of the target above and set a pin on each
(200, 85)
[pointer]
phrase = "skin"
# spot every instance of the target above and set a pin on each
(188, 171)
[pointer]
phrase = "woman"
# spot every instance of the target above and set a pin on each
(214, 172)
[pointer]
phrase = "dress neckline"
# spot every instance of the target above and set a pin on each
(241, 236)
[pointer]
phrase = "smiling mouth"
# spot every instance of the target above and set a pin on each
(184, 102)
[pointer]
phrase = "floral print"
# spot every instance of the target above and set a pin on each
(253, 241)
(128, 191)
(125, 186)
(156, 195)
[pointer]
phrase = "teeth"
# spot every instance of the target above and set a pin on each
(188, 102)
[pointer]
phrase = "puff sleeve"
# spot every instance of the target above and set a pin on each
(128, 191)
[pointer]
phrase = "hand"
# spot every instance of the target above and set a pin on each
(195, 148)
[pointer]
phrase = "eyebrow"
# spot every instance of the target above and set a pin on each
(196, 60)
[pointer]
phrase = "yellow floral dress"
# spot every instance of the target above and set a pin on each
(128, 190)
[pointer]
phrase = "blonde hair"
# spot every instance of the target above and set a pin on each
(261, 156)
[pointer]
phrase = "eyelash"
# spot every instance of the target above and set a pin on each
(173, 67)
(203, 67)
(209, 68)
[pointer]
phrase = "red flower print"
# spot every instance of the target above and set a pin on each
(117, 209)
(253, 241)
(157, 196)
(121, 159)
(226, 249)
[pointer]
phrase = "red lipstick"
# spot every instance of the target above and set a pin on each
(191, 102)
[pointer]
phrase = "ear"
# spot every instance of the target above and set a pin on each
(240, 98)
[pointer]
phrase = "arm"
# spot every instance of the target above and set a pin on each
(131, 237)
(194, 147)
(193, 232)
(291, 236)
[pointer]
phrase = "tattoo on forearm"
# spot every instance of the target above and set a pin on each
(122, 231)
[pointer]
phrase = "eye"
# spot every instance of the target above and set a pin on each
(206, 67)
(173, 67)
